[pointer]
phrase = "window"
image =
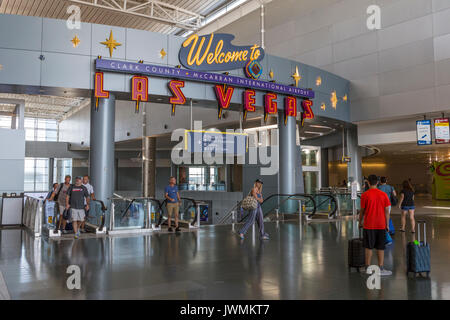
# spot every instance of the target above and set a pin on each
(36, 174)
(41, 129)
(5, 122)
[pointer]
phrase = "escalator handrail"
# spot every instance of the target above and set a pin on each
(288, 197)
(333, 199)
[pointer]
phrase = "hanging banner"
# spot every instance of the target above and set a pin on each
(423, 132)
(441, 131)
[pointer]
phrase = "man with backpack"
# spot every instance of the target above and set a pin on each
(60, 197)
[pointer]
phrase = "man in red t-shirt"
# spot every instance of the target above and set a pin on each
(375, 213)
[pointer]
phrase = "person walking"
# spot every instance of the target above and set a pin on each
(406, 204)
(77, 196)
(60, 197)
(255, 214)
(172, 195)
(374, 219)
(90, 190)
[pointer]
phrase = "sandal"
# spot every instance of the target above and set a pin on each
(401, 230)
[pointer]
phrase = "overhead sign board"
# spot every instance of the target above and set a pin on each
(214, 52)
(215, 142)
(423, 129)
(441, 130)
(178, 73)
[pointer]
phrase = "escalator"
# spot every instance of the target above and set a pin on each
(190, 210)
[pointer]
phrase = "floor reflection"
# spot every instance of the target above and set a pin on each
(306, 261)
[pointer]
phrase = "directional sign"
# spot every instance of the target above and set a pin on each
(423, 132)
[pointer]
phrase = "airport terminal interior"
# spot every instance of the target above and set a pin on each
(224, 149)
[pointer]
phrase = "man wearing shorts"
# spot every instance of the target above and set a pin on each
(76, 196)
(90, 190)
(173, 199)
(374, 218)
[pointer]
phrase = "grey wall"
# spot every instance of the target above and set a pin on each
(69, 71)
(12, 160)
(400, 70)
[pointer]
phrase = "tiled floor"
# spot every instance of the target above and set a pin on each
(299, 262)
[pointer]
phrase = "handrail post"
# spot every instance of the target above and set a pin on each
(233, 219)
(111, 218)
(277, 214)
(299, 211)
(198, 215)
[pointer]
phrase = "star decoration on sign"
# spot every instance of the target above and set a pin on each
(271, 74)
(297, 77)
(323, 106)
(334, 99)
(111, 43)
(162, 53)
(75, 41)
(318, 81)
(344, 98)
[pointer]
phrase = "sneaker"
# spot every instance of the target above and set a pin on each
(64, 231)
(77, 235)
(177, 229)
(170, 229)
(265, 237)
(83, 230)
(384, 272)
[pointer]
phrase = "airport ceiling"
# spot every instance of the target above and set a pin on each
(164, 16)
(410, 153)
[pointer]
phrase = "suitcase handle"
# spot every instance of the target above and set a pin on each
(419, 222)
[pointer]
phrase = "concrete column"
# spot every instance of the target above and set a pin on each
(354, 168)
(149, 166)
(324, 167)
(102, 148)
(287, 154)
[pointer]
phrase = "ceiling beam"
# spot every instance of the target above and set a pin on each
(151, 9)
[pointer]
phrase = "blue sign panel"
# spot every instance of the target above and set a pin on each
(423, 132)
(169, 72)
(214, 52)
(216, 142)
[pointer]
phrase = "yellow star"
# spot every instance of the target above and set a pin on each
(75, 41)
(271, 74)
(318, 81)
(111, 43)
(297, 77)
(323, 106)
(333, 99)
(344, 98)
(162, 53)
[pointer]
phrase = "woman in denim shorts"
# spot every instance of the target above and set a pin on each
(406, 204)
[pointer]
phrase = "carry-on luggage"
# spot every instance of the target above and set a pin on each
(418, 253)
(356, 254)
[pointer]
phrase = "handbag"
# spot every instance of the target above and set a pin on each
(67, 214)
(249, 202)
(394, 199)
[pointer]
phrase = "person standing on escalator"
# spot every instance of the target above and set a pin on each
(173, 203)
(256, 214)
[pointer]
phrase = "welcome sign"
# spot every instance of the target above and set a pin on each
(214, 52)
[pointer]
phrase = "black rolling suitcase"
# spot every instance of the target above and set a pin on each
(356, 254)
(418, 253)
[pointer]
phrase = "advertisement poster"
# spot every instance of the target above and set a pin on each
(423, 132)
(441, 130)
(441, 180)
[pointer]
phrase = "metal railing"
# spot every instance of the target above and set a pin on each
(33, 212)
(189, 212)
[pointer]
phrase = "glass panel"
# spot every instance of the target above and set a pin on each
(309, 157)
(128, 215)
(5, 122)
(310, 180)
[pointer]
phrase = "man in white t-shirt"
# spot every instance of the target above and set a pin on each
(90, 189)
